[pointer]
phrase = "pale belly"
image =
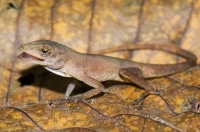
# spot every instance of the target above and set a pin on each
(58, 72)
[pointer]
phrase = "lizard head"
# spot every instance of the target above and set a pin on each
(44, 52)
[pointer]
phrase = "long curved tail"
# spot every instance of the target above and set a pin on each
(157, 70)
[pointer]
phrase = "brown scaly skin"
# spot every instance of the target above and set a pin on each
(93, 69)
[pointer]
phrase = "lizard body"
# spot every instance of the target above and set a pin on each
(93, 69)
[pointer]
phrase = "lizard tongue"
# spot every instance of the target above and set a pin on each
(25, 56)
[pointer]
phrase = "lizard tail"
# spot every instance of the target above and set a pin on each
(157, 70)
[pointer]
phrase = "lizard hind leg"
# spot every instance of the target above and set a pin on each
(136, 76)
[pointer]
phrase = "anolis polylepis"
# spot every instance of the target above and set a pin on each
(93, 69)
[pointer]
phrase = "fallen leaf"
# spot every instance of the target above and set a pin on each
(88, 26)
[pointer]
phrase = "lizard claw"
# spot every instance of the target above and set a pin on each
(140, 106)
(140, 99)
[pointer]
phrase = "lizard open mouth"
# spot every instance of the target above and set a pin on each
(25, 56)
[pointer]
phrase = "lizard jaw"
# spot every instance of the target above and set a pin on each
(27, 57)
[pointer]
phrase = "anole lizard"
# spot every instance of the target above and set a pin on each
(93, 69)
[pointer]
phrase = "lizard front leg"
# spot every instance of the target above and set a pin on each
(89, 81)
(98, 87)
(136, 76)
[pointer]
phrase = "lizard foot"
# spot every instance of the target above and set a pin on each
(59, 102)
(142, 97)
(77, 98)
(54, 103)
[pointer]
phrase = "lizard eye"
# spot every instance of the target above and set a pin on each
(45, 52)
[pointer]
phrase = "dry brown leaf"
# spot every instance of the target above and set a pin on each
(88, 26)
